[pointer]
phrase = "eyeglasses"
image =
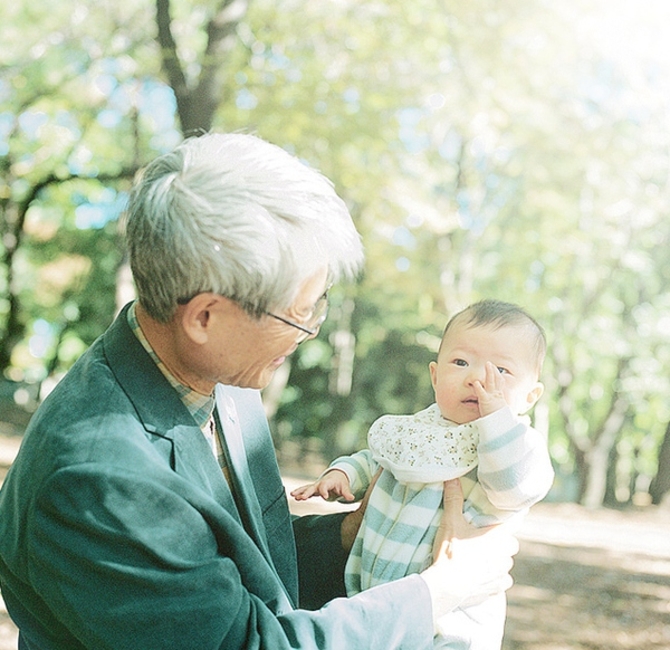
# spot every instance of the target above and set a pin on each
(311, 327)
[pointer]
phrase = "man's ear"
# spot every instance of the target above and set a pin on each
(198, 314)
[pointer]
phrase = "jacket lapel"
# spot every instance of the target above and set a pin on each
(163, 414)
(241, 475)
(179, 439)
(194, 460)
(258, 485)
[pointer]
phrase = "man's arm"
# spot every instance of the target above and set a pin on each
(321, 559)
(125, 560)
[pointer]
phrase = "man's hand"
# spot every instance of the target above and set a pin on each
(352, 522)
(490, 395)
(471, 563)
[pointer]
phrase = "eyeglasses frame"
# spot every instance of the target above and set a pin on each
(309, 331)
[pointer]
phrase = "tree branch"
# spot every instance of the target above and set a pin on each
(170, 58)
(13, 328)
(197, 103)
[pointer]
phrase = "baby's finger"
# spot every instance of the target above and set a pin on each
(303, 493)
(498, 379)
(492, 377)
(324, 491)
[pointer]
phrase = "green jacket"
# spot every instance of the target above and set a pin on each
(118, 529)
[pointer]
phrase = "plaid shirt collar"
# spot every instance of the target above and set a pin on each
(199, 406)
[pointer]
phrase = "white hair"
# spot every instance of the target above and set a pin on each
(235, 215)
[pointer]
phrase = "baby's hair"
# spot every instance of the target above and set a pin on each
(502, 314)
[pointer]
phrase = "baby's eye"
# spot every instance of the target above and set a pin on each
(503, 371)
(460, 362)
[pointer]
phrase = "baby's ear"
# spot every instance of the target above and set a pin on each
(433, 373)
(533, 395)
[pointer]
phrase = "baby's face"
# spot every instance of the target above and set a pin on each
(462, 361)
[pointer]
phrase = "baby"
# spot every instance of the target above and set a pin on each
(485, 379)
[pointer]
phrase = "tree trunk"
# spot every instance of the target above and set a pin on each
(343, 341)
(15, 217)
(610, 499)
(581, 471)
(599, 455)
(197, 100)
(12, 333)
(660, 484)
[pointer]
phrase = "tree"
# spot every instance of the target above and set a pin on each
(660, 486)
(198, 98)
(56, 106)
(69, 97)
(505, 149)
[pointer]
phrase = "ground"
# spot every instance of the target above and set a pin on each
(592, 580)
(584, 579)
(587, 579)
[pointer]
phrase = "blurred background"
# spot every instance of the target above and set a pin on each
(517, 149)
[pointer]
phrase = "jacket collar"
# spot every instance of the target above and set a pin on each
(158, 405)
(163, 414)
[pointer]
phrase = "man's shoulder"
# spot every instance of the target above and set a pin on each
(85, 386)
(80, 404)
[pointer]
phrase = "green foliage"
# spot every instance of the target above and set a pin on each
(511, 148)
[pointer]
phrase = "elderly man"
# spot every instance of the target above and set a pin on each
(145, 509)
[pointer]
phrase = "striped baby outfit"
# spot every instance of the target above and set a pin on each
(504, 467)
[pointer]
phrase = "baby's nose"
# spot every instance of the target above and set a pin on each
(476, 373)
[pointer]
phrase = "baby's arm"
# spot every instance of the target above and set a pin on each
(334, 484)
(514, 467)
(353, 477)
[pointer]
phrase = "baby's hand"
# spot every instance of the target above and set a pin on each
(490, 394)
(332, 485)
